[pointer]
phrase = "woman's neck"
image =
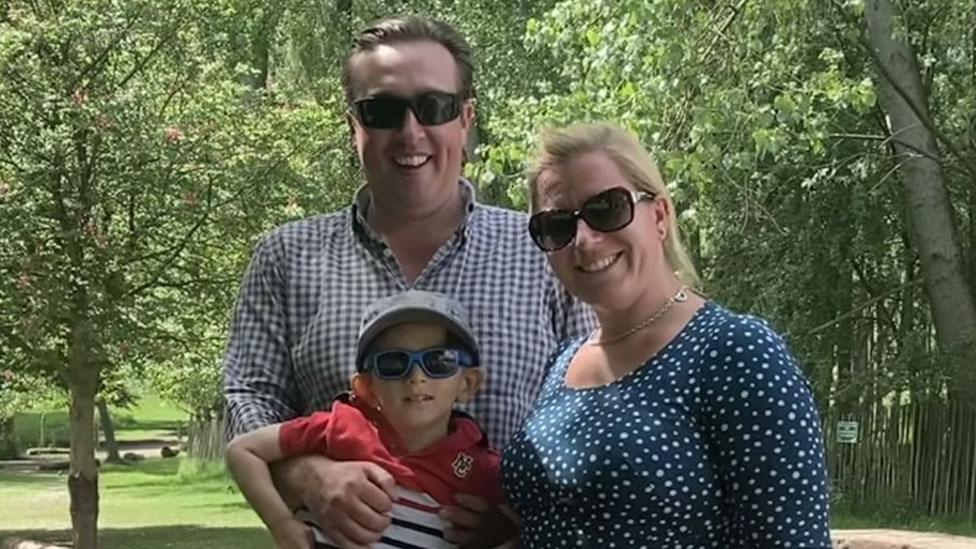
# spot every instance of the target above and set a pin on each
(652, 307)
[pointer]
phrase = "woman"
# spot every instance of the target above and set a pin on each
(676, 423)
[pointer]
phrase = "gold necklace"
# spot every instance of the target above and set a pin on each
(679, 297)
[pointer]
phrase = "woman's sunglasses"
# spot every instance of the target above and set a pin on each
(608, 211)
(436, 363)
(386, 112)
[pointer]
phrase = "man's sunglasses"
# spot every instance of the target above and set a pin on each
(608, 211)
(436, 363)
(386, 112)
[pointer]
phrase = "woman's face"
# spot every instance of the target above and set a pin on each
(606, 270)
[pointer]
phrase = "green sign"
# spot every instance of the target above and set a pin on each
(847, 432)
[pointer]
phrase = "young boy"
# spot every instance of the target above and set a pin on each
(416, 357)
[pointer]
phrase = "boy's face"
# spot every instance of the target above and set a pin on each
(416, 405)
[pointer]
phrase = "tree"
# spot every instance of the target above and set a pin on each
(135, 169)
(765, 119)
(915, 139)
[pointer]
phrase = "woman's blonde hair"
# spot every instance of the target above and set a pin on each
(560, 145)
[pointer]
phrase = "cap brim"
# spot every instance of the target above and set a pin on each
(413, 314)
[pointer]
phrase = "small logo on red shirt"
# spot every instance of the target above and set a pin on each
(462, 464)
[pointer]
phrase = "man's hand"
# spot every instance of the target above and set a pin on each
(350, 500)
(476, 524)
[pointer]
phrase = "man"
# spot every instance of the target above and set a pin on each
(415, 224)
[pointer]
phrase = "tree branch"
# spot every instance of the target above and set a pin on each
(98, 63)
(917, 109)
(861, 307)
(178, 249)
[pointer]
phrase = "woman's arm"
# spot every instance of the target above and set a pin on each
(764, 430)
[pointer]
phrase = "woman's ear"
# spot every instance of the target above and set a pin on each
(471, 380)
(662, 218)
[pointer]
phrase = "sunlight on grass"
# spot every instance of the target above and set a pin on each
(151, 419)
(178, 500)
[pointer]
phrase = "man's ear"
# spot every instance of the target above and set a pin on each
(467, 114)
(471, 380)
(354, 128)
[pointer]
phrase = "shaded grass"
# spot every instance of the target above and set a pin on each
(157, 537)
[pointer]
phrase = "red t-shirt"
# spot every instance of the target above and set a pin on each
(462, 462)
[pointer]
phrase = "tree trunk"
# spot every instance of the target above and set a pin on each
(262, 45)
(111, 446)
(83, 473)
(905, 100)
(8, 439)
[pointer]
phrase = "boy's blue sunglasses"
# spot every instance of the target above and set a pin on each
(436, 363)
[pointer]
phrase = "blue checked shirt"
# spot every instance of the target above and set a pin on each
(293, 337)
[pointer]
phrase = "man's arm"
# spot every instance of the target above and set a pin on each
(349, 498)
(258, 377)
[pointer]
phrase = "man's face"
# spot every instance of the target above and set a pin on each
(413, 165)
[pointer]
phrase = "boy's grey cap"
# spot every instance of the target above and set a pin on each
(415, 306)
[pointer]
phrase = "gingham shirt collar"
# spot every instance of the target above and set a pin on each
(363, 201)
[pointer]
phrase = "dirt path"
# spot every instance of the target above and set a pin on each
(145, 448)
(898, 539)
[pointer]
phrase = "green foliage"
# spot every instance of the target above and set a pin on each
(138, 165)
(146, 144)
(764, 119)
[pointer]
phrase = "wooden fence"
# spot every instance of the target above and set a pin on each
(205, 439)
(917, 456)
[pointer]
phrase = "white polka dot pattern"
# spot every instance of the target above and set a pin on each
(713, 443)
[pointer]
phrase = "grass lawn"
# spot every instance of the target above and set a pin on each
(150, 419)
(172, 503)
(161, 503)
(153, 504)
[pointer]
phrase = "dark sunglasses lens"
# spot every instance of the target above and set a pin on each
(391, 364)
(608, 211)
(441, 363)
(434, 109)
(382, 112)
(553, 229)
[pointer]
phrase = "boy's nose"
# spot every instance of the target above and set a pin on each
(416, 374)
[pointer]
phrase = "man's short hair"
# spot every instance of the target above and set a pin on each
(412, 28)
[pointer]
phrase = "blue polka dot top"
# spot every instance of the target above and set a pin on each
(712, 443)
